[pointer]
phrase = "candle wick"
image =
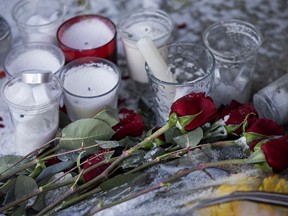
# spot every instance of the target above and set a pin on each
(89, 89)
(86, 43)
(21, 116)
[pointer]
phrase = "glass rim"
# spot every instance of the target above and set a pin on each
(22, 3)
(91, 59)
(17, 77)
(146, 11)
(255, 30)
(211, 71)
(37, 46)
(85, 16)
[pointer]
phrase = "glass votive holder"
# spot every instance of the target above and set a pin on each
(148, 22)
(88, 35)
(272, 101)
(34, 56)
(33, 101)
(192, 68)
(90, 84)
(234, 45)
(38, 21)
(5, 40)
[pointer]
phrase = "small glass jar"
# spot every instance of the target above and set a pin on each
(5, 40)
(33, 99)
(38, 21)
(234, 44)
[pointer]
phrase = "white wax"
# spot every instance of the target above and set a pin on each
(87, 34)
(20, 93)
(135, 60)
(38, 59)
(35, 131)
(90, 83)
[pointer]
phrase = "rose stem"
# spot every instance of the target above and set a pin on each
(105, 174)
(166, 182)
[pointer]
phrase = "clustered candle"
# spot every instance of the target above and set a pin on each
(34, 110)
(152, 23)
(34, 56)
(97, 86)
(88, 35)
(38, 20)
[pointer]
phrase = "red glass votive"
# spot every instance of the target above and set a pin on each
(88, 35)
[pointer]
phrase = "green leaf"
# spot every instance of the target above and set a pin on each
(55, 168)
(256, 157)
(85, 132)
(154, 153)
(10, 196)
(129, 180)
(108, 115)
(104, 144)
(190, 139)
(5, 187)
(25, 185)
(39, 204)
(134, 160)
(7, 161)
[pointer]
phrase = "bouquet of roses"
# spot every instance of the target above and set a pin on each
(88, 155)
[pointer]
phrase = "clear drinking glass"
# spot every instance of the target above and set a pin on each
(192, 68)
(90, 84)
(147, 22)
(234, 45)
(33, 101)
(272, 101)
(38, 20)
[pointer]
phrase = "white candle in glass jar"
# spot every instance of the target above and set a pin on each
(34, 111)
(155, 24)
(34, 56)
(89, 88)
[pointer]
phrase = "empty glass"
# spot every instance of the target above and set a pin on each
(234, 45)
(38, 20)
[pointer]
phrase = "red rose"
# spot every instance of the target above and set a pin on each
(130, 124)
(276, 153)
(265, 127)
(193, 104)
(94, 159)
(235, 113)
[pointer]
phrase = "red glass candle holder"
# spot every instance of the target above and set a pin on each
(88, 35)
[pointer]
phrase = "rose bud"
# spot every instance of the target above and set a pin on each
(262, 129)
(193, 110)
(130, 124)
(273, 152)
(95, 159)
(276, 151)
